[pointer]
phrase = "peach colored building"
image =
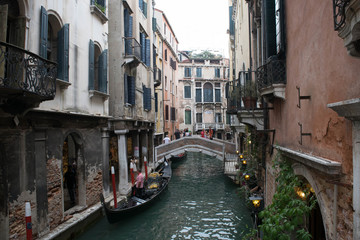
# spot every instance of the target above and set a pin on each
(307, 76)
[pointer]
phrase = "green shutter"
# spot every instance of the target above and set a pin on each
(126, 89)
(154, 24)
(145, 9)
(156, 102)
(91, 65)
(63, 53)
(147, 52)
(43, 32)
(131, 87)
(270, 28)
(103, 72)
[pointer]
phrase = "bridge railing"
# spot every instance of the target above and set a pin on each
(216, 148)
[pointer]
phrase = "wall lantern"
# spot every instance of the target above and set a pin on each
(237, 151)
(256, 201)
(300, 193)
(244, 162)
(246, 177)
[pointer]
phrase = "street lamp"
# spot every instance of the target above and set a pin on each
(256, 201)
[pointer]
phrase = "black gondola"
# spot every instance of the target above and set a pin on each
(133, 204)
(178, 157)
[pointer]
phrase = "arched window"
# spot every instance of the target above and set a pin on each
(208, 92)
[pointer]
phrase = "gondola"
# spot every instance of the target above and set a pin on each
(178, 157)
(133, 205)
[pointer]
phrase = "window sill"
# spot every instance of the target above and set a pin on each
(95, 10)
(62, 84)
(95, 93)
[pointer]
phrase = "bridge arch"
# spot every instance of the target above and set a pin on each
(215, 148)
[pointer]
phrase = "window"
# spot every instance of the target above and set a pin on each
(165, 55)
(128, 24)
(187, 91)
(143, 7)
(279, 26)
(145, 49)
(97, 68)
(166, 83)
(187, 116)
(218, 118)
(227, 118)
(167, 112)
(217, 72)
(199, 72)
(199, 117)
(156, 102)
(147, 98)
(187, 72)
(217, 92)
(129, 89)
(54, 44)
(100, 4)
(208, 92)
(198, 92)
(173, 117)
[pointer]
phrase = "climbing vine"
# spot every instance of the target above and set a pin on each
(292, 201)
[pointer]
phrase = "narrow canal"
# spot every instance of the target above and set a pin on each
(200, 203)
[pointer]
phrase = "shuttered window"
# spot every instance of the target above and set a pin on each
(187, 116)
(187, 91)
(217, 72)
(166, 112)
(147, 98)
(187, 72)
(43, 32)
(98, 82)
(217, 95)
(128, 24)
(147, 52)
(91, 65)
(198, 95)
(199, 72)
(129, 89)
(199, 117)
(103, 72)
(63, 53)
(270, 29)
(156, 102)
(173, 115)
(208, 92)
(143, 47)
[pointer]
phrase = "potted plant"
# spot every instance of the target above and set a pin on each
(249, 95)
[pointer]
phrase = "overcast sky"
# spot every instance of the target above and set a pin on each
(198, 24)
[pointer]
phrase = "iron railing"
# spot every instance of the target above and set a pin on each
(26, 71)
(339, 13)
(132, 47)
(271, 73)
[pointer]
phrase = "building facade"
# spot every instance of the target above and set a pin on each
(169, 83)
(307, 118)
(202, 83)
(54, 103)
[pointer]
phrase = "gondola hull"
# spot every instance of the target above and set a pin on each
(134, 205)
(178, 157)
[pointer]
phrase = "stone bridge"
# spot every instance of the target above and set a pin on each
(216, 148)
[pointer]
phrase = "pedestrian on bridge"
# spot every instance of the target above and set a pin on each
(166, 140)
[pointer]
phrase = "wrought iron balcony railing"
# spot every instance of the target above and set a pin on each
(157, 76)
(25, 71)
(132, 48)
(271, 73)
(339, 13)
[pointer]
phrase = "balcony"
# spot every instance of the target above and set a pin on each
(132, 51)
(217, 126)
(157, 77)
(347, 23)
(26, 79)
(271, 79)
(98, 8)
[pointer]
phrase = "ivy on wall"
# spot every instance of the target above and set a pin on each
(293, 200)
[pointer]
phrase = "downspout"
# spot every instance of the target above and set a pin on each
(335, 207)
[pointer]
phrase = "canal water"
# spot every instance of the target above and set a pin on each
(200, 203)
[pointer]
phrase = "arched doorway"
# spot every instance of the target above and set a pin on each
(71, 168)
(314, 221)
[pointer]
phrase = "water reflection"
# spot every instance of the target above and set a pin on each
(200, 203)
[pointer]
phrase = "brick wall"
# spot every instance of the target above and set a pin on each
(94, 187)
(54, 178)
